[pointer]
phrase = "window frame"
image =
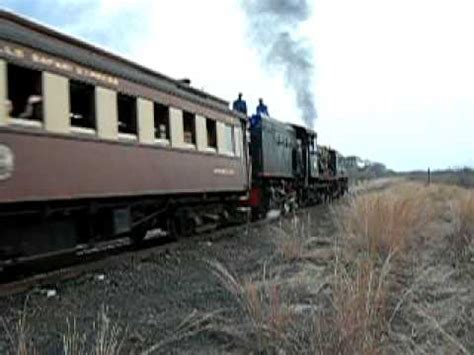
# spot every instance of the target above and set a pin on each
(133, 135)
(187, 115)
(16, 119)
(159, 139)
(92, 130)
(230, 133)
(213, 123)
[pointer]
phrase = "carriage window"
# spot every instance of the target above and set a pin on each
(229, 145)
(162, 121)
(189, 125)
(127, 114)
(25, 93)
(82, 111)
(211, 133)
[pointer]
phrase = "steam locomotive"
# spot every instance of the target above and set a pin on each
(94, 147)
(289, 169)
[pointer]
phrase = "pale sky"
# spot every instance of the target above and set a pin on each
(394, 79)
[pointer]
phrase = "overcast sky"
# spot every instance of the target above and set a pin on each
(394, 79)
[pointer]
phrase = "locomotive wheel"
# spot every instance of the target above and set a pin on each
(258, 213)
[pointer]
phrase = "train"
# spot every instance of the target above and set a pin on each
(289, 168)
(94, 147)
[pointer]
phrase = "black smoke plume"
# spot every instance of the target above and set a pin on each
(272, 30)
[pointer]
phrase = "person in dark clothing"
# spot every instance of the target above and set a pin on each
(262, 109)
(240, 105)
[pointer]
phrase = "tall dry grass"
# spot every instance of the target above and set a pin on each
(74, 341)
(360, 307)
(107, 336)
(268, 319)
(383, 223)
(375, 232)
(20, 335)
(195, 323)
(291, 239)
(295, 241)
(462, 236)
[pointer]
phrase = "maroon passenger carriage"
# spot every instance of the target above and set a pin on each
(93, 147)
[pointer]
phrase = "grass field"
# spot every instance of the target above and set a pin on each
(459, 177)
(397, 278)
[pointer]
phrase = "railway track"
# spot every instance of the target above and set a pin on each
(29, 274)
(70, 264)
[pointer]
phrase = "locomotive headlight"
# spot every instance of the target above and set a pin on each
(7, 162)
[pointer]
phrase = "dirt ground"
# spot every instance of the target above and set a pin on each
(178, 300)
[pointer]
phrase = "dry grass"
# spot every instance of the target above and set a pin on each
(195, 323)
(291, 248)
(463, 229)
(291, 239)
(360, 301)
(296, 242)
(268, 318)
(375, 231)
(74, 341)
(24, 342)
(21, 338)
(383, 223)
(107, 337)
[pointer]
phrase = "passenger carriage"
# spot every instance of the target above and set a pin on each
(93, 145)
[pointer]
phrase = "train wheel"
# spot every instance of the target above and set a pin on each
(138, 234)
(181, 224)
(258, 213)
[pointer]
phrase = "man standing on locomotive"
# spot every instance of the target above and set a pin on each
(240, 105)
(262, 109)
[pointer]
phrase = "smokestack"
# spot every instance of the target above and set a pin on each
(272, 30)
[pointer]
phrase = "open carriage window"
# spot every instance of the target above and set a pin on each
(127, 114)
(25, 93)
(82, 109)
(211, 133)
(189, 125)
(162, 121)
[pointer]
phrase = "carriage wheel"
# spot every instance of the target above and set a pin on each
(181, 224)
